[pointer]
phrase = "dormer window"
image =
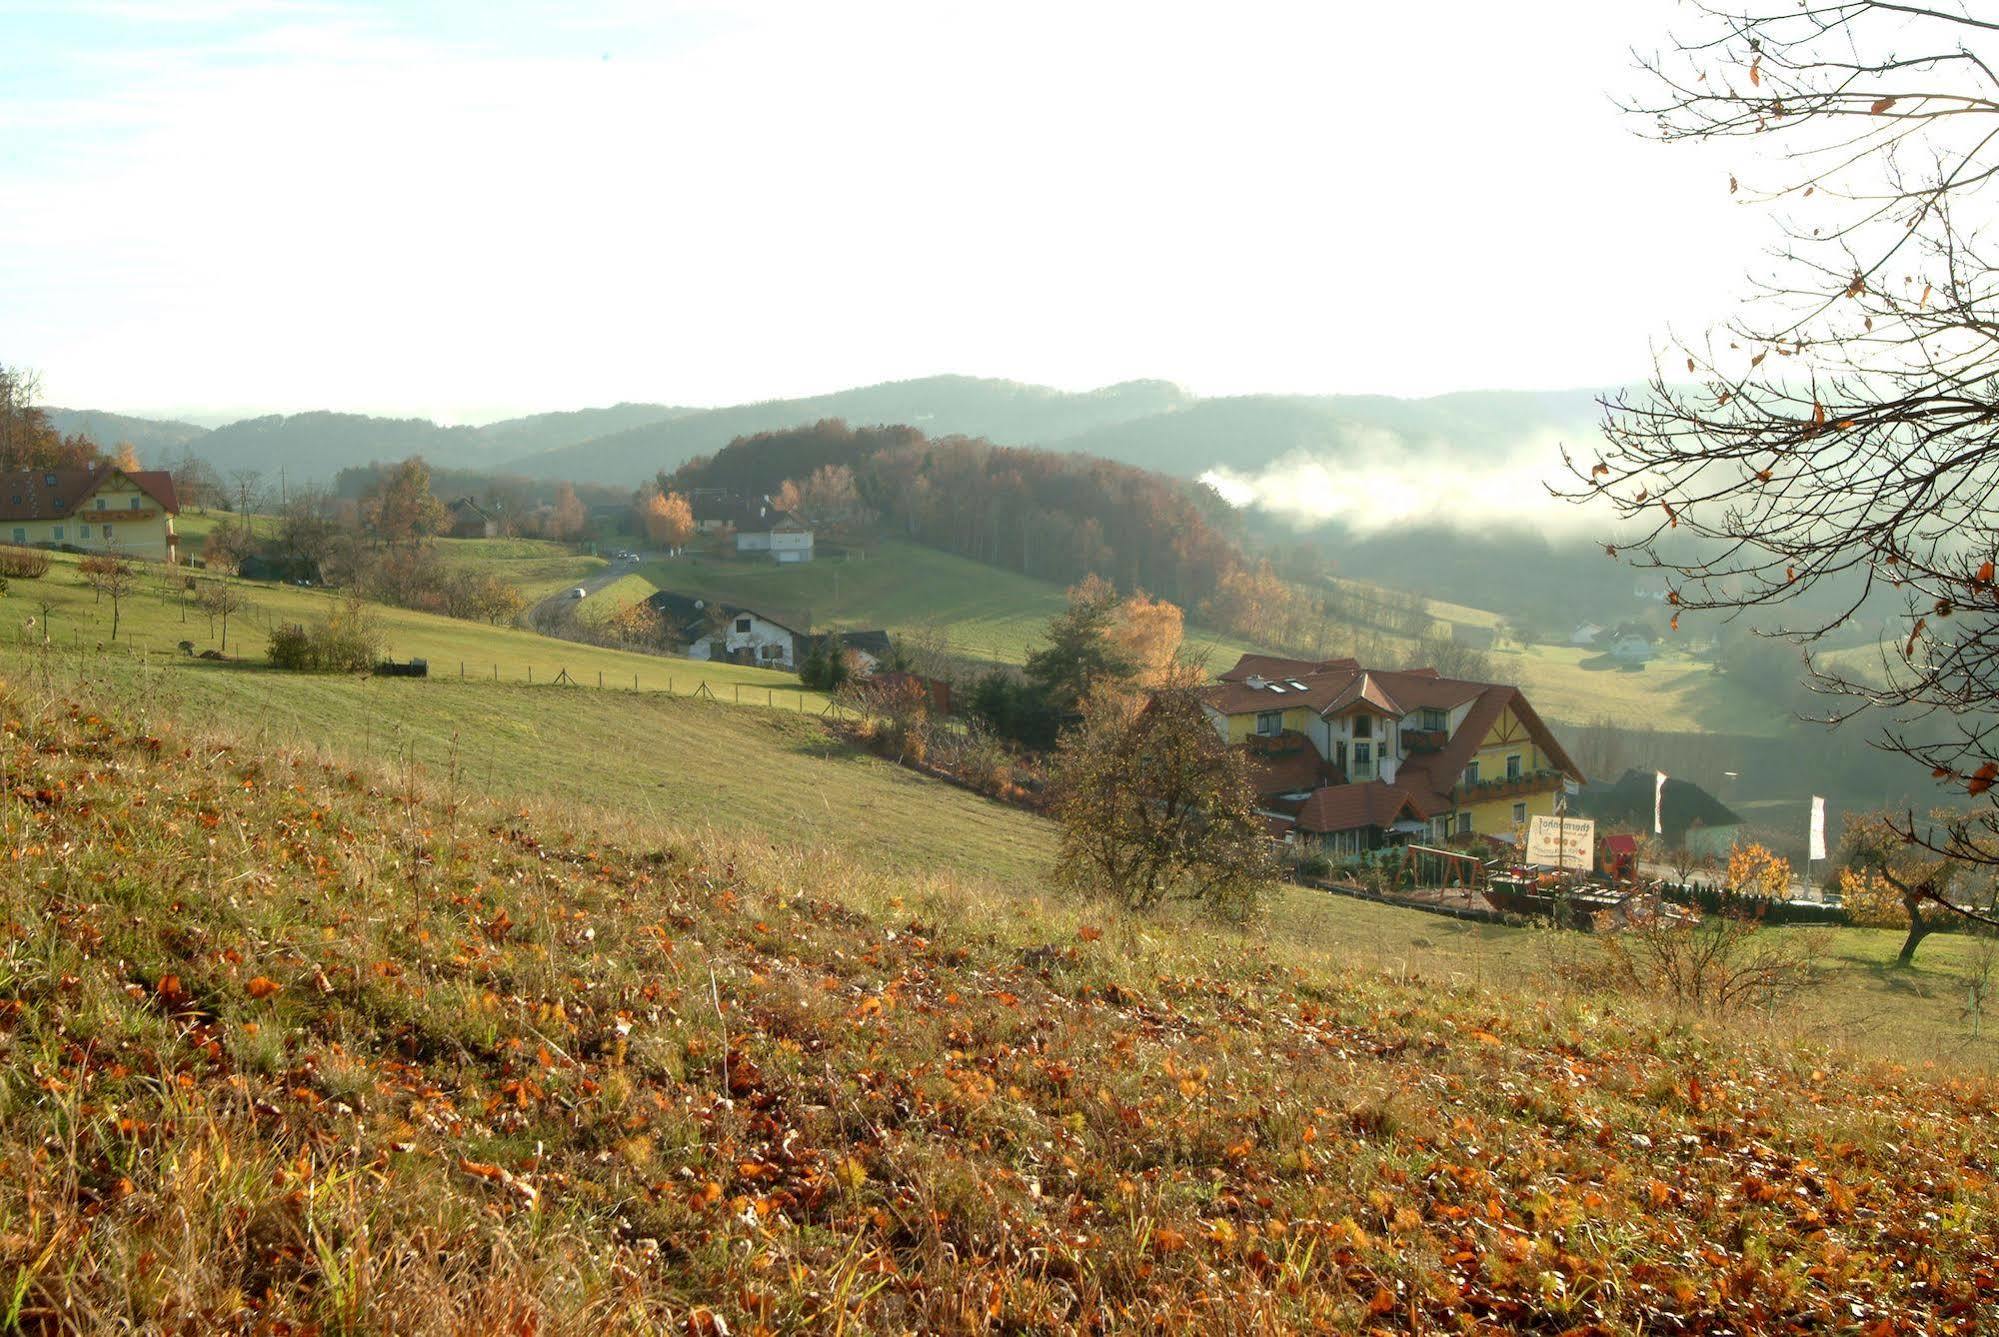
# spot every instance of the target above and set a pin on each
(1363, 726)
(1433, 720)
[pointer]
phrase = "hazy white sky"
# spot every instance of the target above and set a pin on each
(467, 210)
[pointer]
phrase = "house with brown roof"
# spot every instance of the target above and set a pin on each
(101, 509)
(470, 520)
(1356, 758)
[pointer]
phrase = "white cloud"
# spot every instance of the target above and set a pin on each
(1379, 481)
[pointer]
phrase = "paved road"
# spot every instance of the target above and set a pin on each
(551, 617)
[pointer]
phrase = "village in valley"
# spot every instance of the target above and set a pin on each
(749, 669)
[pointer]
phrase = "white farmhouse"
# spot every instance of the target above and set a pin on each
(766, 529)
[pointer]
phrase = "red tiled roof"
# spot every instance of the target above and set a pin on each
(1352, 807)
(1279, 668)
(55, 494)
(1285, 764)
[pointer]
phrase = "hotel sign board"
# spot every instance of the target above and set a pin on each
(1562, 842)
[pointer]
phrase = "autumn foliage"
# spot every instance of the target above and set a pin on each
(666, 518)
(291, 1046)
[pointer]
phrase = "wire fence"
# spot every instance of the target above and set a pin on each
(685, 682)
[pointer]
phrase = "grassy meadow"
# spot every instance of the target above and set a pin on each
(533, 566)
(290, 1042)
(979, 611)
(157, 616)
(780, 776)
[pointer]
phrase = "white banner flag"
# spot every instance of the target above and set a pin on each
(1658, 803)
(1818, 828)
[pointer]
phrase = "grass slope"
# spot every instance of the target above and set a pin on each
(984, 612)
(287, 1045)
(755, 773)
(153, 620)
(533, 566)
(781, 777)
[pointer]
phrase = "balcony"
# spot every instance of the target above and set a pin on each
(1415, 741)
(1505, 787)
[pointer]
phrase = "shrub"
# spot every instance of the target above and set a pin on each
(1717, 964)
(349, 641)
(291, 648)
(23, 563)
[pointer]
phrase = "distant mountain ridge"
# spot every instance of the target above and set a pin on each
(1151, 423)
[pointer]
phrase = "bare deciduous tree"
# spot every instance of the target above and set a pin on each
(1831, 447)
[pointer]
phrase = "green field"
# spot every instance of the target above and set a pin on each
(626, 589)
(155, 619)
(295, 1045)
(979, 611)
(535, 567)
(778, 776)
(757, 773)
(1675, 691)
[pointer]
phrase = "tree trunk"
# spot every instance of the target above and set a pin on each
(1919, 928)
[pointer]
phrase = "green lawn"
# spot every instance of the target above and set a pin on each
(1866, 1001)
(194, 527)
(762, 773)
(777, 775)
(983, 612)
(153, 621)
(626, 589)
(1675, 691)
(535, 567)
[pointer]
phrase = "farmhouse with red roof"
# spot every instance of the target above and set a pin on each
(1357, 757)
(102, 509)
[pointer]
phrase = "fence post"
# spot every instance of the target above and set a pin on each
(530, 673)
(739, 694)
(669, 683)
(461, 670)
(600, 677)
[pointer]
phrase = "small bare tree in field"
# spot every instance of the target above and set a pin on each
(219, 599)
(110, 577)
(1831, 446)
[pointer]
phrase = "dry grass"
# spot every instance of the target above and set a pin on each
(289, 1044)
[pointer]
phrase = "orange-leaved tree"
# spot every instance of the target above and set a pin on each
(1148, 631)
(1755, 871)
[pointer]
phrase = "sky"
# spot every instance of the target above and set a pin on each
(470, 210)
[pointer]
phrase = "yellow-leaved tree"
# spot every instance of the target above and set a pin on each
(1755, 871)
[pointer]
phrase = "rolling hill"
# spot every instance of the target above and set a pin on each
(1004, 411)
(301, 1032)
(1154, 424)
